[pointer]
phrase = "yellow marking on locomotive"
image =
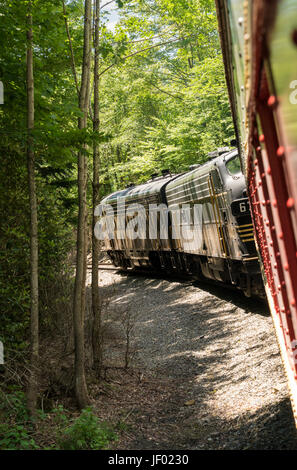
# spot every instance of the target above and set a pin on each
(246, 235)
(245, 230)
(246, 225)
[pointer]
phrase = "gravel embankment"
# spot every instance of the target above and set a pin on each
(213, 357)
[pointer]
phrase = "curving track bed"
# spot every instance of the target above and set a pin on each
(212, 373)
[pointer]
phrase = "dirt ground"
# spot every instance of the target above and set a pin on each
(203, 367)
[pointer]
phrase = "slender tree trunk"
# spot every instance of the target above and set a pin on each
(34, 323)
(96, 333)
(79, 300)
(70, 48)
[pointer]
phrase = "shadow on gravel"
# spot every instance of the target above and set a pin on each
(228, 294)
(271, 428)
(247, 304)
(213, 345)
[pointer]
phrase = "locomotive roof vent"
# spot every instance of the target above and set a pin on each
(154, 175)
(223, 150)
(165, 172)
(193, 167)
(218, 152)
(130, 185)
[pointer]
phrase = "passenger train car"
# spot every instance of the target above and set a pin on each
(259, 44)
(196, 223)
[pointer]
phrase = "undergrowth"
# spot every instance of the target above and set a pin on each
(86, 432)
(57, 429)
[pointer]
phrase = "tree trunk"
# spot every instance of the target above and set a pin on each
(96, 333)
(34, 321)
(79, 300)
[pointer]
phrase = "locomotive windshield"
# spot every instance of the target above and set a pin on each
(233, 166)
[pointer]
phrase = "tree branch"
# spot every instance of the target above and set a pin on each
(71, 49)
(105, 4)
(149, 38)
(138, 52)
(166, 92)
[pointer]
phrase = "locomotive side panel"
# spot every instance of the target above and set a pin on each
(221, 238)
(193, 190)
(135, 216)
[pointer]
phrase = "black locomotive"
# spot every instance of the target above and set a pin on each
(197, 223)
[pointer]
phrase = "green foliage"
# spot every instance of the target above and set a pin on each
(16, 430)
(87, 432)
(14, 405)
(60, 416)
(55, 139)
(163, 104)
(165, 107)
(16, 437)
(160, 107)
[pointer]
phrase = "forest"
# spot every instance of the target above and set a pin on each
(97, 95)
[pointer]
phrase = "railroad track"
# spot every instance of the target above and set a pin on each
(205, 284)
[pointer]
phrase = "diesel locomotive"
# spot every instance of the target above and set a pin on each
(197, 223)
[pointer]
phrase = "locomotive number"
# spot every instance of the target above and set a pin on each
(240, 207)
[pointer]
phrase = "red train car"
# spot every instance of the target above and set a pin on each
(259, 44)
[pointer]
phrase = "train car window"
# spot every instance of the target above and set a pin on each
(233, 166)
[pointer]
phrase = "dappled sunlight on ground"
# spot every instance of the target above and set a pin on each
(219, 350)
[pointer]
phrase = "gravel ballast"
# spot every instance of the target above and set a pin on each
(213, 358)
